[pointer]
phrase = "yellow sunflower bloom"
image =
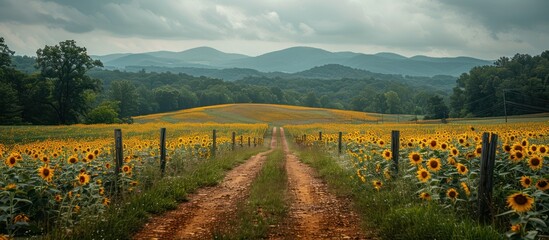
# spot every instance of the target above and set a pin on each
(542, 184)
(462, 169)
(434, 164)
(525, 181)
(452, 194)
(415, 158)
(520, 202)
(423, 175)
(83, 178)
(535, 162)
(46, 173)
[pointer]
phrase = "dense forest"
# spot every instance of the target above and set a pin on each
(63, 85)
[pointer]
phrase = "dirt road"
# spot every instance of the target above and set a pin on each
(314, 213)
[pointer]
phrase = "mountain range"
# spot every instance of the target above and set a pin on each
(198, 61)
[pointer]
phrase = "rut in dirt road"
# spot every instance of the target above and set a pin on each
(314, 213)
(209, 208)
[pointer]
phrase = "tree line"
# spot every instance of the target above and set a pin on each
(64, 85)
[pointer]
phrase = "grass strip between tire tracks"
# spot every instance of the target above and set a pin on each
(265, 206)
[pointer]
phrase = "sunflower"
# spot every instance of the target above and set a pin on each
(381, 143)
(517, 147)
(542, 149)
(434, 164)
(45, 159)
(101, 191)
(72, 159)
(524, 143)
(515, 228)
(535, 162)
(520, 202)
(83, 178)
(11, 186)
(415, 158)
(377, 184)
(425, 196)
(433, 144)
(444, 146)
(534, 148)
(106, 201)
(11, 161)
(452, 194)
(478, 151)
(454, 151)
(127, 169)
(542, 184)
(506, 147)
(462, 169)
(525, 181)
(90, 157)
(387, 154)
(465, 188)
(21, 218)
(46, 173)
(423, 175)
(451, 161)
(58, 198)
(517, 156)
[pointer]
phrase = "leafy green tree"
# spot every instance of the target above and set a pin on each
(311, 100)
(125, 92)
(393, 102)
(106, 112)
(5, 54)
(436, 108)
(167, 98)
(10, 111)
(66, 65)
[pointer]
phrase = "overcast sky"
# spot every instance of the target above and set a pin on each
(485, 29)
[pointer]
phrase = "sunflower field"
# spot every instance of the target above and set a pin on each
(442, 164)
(53, 177)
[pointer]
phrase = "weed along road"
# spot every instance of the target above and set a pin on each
(314, 213)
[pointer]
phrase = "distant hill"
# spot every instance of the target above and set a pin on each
(295, 59)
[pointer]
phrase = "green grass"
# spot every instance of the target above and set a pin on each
(265, 205)
(129, 213)
(394, 212)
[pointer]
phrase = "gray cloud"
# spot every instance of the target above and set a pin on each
(478, 28)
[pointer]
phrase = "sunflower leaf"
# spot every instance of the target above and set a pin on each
(538, 221)
(505, 213)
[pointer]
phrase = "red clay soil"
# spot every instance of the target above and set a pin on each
(207, 209)
(315, 213)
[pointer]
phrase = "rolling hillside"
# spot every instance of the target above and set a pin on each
(266, 113)
(292, 60)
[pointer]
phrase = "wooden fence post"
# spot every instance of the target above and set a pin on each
(320, 136)
(119, 156)
(249, 142)
(489, 146)
(214, 142)
(395, 144)
(241, 141)
(162, 151)
(339, 145)
(234, 140)
(255, 142)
